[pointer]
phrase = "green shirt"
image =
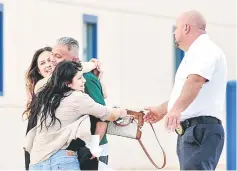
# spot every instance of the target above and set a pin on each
(94, 89)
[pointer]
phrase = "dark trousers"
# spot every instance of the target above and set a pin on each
(89, 164)
(200, 147)
(94, 163)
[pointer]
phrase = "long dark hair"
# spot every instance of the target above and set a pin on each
(47, 100)
(32, 75)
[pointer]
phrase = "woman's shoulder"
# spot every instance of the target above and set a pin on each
(77, 95)
(41, 83)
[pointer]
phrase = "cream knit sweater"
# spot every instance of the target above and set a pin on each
(41, 144)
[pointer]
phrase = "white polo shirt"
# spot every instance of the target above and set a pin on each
(206, 59)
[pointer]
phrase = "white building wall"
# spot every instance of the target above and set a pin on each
(135, 46)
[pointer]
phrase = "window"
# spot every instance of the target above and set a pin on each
(90, 37)
(1, 50)
(178, 55)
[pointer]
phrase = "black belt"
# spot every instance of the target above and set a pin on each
(195, 121)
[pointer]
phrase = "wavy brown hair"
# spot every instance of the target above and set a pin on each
(32, 75)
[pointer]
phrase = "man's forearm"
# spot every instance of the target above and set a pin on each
(104, 90)
(189, 92)
(163, 108)
(101, 129)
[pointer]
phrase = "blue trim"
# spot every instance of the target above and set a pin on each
(178, 55)
(231, 124)
(94, 51)
(90, 19)
(1, 51)
(1, 7)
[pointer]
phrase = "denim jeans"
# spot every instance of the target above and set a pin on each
(61, 160)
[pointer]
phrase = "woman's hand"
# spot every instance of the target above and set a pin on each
(116, 113)
(123, 113)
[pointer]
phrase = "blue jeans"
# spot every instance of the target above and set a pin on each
(61, 160)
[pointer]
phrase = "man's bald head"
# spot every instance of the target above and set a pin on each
(189, 26)
(193, 18)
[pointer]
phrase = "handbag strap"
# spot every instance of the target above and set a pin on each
(148, 155)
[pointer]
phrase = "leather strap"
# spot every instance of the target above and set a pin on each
(148, 155)
(143, 147)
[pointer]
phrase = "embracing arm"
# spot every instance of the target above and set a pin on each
(84, 104)
(88, 66)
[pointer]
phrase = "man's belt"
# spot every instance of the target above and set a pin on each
(195, 121)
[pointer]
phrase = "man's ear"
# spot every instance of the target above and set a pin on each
(75, 59)
(187, 28)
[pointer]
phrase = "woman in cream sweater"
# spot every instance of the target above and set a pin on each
(59, 111)
(39, 71)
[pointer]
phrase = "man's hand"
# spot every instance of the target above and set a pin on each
(154, 114)
(92, 157)
(95, 61)
(172, 120)
(98, 71)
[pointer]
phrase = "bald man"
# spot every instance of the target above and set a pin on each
(196, 105)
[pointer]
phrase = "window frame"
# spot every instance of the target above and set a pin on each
(92, 19)
(1, 50)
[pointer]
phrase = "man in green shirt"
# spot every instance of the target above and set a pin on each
(67, 48)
